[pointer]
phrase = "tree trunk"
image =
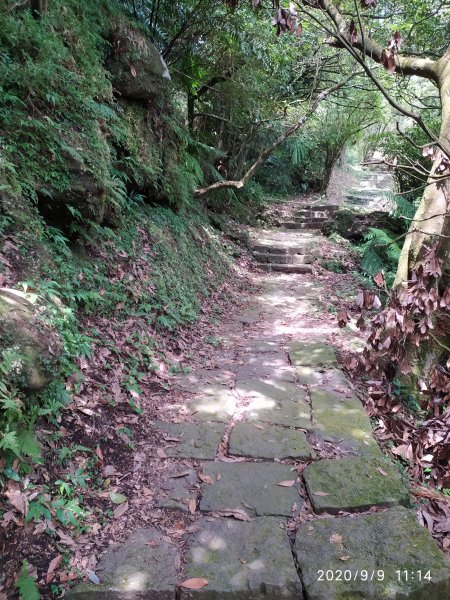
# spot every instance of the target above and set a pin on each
(431, 221)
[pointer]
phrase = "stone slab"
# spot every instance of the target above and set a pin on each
(354, 482)
(197, 440)
(242, 561)
(175, 492)
(219, 404)
(269, 441)
(277, 402)
(380, 543)
(343, 421)
(309, 354)
(267, 366)
(252, 487)
(143, 567)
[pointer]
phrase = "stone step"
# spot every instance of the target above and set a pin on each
(270, 249)
(312, 214)
(327, 207)
(301, 269)
(282, 259)
(318, 220)
(297, 225)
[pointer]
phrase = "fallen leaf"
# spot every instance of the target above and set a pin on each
(93, 577)
(256, 426)
(320, 494)
(120, 510)
(206, 479)
(380, 470)
(237, 513)
(288, 483)
(109, 470)
(99, 453)
(344, 557)
(182, 474)
(117, 498)
(15, 497)
(64, 538)
(160, 452)
(197, 583)
(336, 538)
(192, 505)
(52, 568)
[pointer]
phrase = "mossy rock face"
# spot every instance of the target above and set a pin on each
(87, 162)
(353, 226)
(33, 346)
(137, 68)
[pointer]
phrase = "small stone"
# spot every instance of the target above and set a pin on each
(308, 354)
(354, 482)
(269, 442)
(249, 486)
(196, 440)
(242, 561)
(143, 567)
(376, 547)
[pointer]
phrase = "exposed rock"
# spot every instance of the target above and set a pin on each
(195, 440)
(269, 441)
(23, 332)
(353, 226)
(139, 71)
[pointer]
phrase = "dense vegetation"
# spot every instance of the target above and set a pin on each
(101, 220)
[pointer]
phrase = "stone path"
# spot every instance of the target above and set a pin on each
(271, 515)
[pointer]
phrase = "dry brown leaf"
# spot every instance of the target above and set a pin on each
(99, 453)
(206, 479)
(192, 505)
(64, 538)
(288, 483)
(320, 494)
(15, 497)
(256, 426)
(52, 568)
(182, 474)
(160, 452)
(380, 470)
(196, 583)
(120, 510)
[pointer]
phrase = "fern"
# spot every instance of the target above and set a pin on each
(402, 208)
(27, 585)
(380, 253)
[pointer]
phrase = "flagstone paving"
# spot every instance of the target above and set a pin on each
(247, 481)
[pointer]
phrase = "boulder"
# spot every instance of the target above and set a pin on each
(137, 68)
(33, 346)
(353, 226)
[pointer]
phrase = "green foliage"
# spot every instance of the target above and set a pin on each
(27, 584)
(380, 252)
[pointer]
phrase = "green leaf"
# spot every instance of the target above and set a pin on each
(117, 498)
(27, 585)
(11, 474)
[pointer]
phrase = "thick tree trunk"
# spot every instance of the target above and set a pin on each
(431, 221)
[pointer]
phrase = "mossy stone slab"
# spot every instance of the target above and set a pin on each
(269, 441)
(275, 401)
(143, 567)
(354, 482)
(308, 354)
(242, 561)
(267, 366)
(196, 440)
(252, 487)
(218, 406)
(175, 492)
(379, 543)
(343, 421)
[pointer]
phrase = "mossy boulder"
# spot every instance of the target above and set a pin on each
(30, 344)
(137, 68)
(353, 226)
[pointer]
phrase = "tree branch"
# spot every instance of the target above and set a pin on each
(240, 183)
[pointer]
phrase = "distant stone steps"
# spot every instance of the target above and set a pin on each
(282, 259)
(299, 269)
